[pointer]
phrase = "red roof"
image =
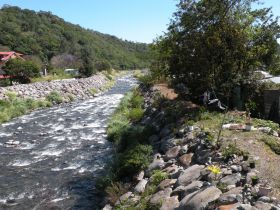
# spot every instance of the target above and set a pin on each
(4, 56)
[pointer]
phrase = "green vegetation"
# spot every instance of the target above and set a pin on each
(157, 177)
(273, 143)
(21, 70)
(218, 44)
(133, 153)
(231, 150)
(65, 45)
(93, 91)
(14, 106)
(54, 97)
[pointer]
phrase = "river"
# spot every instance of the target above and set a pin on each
(52, 158)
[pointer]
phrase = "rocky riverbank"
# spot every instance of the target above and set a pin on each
(191, 170)
(78, 88)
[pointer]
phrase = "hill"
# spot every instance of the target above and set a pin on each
(47, 37)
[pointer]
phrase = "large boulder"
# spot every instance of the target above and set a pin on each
(172, 153)
(186, 159)
(159, 197)
(190, 174)
(166, 183)
(232, 179)
(140, 187)
(170, 203)
(200, 199)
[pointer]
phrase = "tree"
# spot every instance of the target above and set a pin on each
(87, 68)
(217, 44)
(102, 65)
(21, 70)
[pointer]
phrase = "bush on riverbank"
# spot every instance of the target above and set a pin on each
(130, 139)
(14, 106)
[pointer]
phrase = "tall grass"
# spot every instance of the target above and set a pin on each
(14, 106)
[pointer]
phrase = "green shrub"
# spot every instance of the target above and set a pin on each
(54, 97)
(116, 127)
(273, 143)
(114, 191)
(93, 91)
(146, 79)
(4, 117)
(134, 159)
(136, 114)
(158, 176)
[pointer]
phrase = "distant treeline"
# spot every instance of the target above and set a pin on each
(48, 38)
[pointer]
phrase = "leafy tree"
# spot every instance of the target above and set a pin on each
(217, 44)
(87, 68)
(102, 65)
(21, 70)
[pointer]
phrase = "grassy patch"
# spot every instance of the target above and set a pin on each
(54, 97)
(14, 106)
(273, 143)
(231, 150)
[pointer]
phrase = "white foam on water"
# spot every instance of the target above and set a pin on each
(26, 146)
(21, 163)
(58, 199)
(59, 138)
(5, 134)
(72, 166)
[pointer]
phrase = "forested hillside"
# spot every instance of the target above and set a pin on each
(49, 37)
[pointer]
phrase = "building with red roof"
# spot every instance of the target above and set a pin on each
(4, 57)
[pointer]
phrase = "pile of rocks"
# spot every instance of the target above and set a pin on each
(185, 156)
(79, 88)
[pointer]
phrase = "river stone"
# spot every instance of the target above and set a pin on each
(172, 153)
(263, 206)
(200, 199)
(192, 187)
(185, 160)
(166, 183)
(107, 207)
(173, 171)
(124, 198)
(170, 203)
(139, 176)
(167, 143)
(160, 196)
(140, 187)
(190, 174)
(158, 163)
(232, 179)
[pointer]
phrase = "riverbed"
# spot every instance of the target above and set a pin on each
(52, 158)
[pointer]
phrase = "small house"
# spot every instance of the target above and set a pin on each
(4, 57)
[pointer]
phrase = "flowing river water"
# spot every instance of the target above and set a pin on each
(52, 158)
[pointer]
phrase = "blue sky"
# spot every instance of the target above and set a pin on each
(135, 20)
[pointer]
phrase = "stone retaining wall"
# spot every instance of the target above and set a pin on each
(79, 88)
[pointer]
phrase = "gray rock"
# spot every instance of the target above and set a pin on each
(192, 187)
(107, 207)
(166, 183)
(170, 203)
(172, 153)
(200, 199)
(124, 197)
(158, 163)
(190, 174)
(173, 171)
(140, 176)
(167, 143)
(236, 168)
(265, 199)
(231, 179)
(140, 187)
(160, 196)
(264, 206)
(185, 160)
